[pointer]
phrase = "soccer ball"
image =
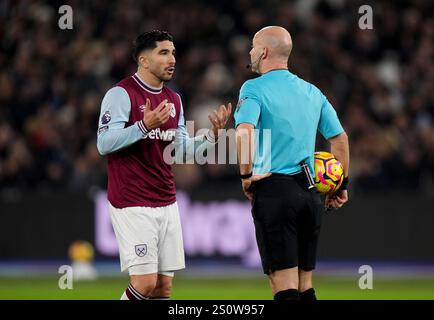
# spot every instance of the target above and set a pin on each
(329, 172)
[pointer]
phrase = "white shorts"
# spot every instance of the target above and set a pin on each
(149, 239)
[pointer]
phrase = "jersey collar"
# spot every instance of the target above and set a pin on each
(145, 86)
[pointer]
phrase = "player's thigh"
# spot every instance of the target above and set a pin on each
(136, 230)
(171, 246)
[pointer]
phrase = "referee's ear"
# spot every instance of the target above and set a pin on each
(265, 53)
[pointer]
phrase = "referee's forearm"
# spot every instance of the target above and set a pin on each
(245, 168)
(244, 147)
(341, 150)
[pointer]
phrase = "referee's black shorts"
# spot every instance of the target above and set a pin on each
(287, 219)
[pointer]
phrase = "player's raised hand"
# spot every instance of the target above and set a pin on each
(157, 117)
(219, 118)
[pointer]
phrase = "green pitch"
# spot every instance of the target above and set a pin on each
(187, 288)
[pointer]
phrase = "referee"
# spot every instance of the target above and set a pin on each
(277, 118)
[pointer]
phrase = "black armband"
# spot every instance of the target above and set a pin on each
(246, 176)
(344, 184)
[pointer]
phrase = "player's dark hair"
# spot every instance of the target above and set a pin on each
(148, 40)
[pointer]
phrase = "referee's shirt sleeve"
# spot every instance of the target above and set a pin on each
(329, 124)
(248, 108)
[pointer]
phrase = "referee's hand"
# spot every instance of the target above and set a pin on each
(336, 200)
(247, 183)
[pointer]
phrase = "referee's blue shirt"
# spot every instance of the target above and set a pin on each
(287, 111)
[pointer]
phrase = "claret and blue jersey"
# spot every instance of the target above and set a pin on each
(138, 173)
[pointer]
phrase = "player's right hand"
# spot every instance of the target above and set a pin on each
(157, 117)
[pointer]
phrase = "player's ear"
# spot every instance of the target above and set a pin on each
(143, 60)
(265, 53)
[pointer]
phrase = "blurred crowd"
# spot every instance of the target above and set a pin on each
(52, 81)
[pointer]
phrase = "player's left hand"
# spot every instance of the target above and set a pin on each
(219, 117)
(247, 183)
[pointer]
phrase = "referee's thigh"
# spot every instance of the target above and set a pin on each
(309, 225)
(276, 204)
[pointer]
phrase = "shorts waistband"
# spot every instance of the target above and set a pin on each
(292, 176)
(299, 178)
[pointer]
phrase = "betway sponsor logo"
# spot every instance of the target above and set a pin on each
(158, 134)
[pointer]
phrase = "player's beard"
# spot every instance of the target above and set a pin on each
(163, 75)
(166, 77)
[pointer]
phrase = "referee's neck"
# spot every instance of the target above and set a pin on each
(273, 66)
(274, 69)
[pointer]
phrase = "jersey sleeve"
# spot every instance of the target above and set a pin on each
(329, 124)
(115, 112)
(248, 108)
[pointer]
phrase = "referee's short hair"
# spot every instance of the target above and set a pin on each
(148, 40)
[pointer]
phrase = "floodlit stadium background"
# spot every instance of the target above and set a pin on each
(52, 179)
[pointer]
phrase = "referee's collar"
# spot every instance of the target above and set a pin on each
(275, 70)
